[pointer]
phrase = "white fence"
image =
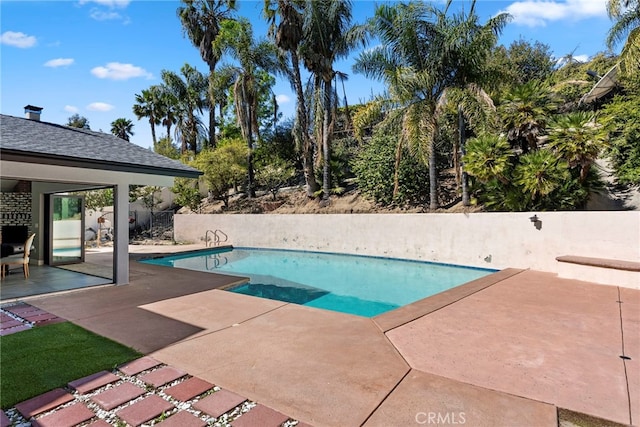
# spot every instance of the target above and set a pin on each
(492, 240)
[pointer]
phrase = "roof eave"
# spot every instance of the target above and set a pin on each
(50, 159)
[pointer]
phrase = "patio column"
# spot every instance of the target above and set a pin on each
(121, 241)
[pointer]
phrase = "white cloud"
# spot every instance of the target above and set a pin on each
(534, 13)
(17, 39)
(573, 58)
(119, 71)
(283, 99)
(101, 15)
(71, 109)
(108, 3)
(100, 106)
(59, 62)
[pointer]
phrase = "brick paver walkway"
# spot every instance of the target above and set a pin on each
(143, 392)
(18, 317)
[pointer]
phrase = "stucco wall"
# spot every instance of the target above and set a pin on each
(493, 240)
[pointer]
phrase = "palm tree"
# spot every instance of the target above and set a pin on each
(201, 22)
(168, 107)
(327, 36)
(425, 53)
(188, 96)
(236, 38)
(489, 157)
(220, 85)
(288, 35)
(122, 128)
(525, 110)
(626, 14)
(578, 139)
(539, 173)
(148, 105)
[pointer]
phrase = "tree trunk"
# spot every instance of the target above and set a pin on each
(153, 133)
(212, 108)
(396, 171)
(456, 150)
(305, 140)
(433, 176)
(326, 142)
(251, 191)
(212, 126)
(464, 178)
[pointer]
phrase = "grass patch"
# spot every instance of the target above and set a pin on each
(43, 358)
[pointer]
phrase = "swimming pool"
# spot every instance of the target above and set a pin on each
(360, 285)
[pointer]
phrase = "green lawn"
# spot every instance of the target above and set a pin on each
(43, 358)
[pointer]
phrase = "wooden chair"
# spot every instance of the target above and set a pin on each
(18, 259)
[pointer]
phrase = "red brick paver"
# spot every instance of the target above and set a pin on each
(66, 417)
(138, 365)
(260, 416)
(6, 324)
(93, 382)
(162, 376)
(14, 329)
(4, 420)
(20, 309)
(116, 396)
(44, 402)
(183, 419)
(99, 423)
(219, 403)
(40, 317)
(27, 316)
(189, 389)
(144, 410)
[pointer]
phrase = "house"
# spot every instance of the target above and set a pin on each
(41, 162)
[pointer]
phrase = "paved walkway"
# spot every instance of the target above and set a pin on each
(19, 317)
(508, 350)
(142, 392)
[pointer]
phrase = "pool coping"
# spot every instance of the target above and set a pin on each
(410, 312)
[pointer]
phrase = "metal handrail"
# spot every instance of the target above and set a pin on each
(216, 237)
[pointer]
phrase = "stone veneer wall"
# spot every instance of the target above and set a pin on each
(15, 207)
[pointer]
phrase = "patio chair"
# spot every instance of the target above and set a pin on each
(18, 259)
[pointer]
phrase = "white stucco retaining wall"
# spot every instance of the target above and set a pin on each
(492, 240)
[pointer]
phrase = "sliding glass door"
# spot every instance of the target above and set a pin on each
(66, 229)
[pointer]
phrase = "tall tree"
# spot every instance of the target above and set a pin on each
(424, 53)
(286, 29)
(188, 93)
(236, 38)
(122, 128)
(78, 121)
(328, 35)
(148, 106)
(626, 27)
(201, 23)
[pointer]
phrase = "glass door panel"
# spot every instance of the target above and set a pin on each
(67, 225)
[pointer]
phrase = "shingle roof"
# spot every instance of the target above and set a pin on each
(43, 142)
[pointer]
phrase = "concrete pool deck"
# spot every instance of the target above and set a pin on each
(506, 350)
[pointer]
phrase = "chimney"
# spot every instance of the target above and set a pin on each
(32, 112)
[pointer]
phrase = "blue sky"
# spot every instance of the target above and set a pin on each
(92, 56)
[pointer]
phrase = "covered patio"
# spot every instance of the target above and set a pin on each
(40, 161)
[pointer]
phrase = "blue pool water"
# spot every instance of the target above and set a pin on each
(364, 286)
